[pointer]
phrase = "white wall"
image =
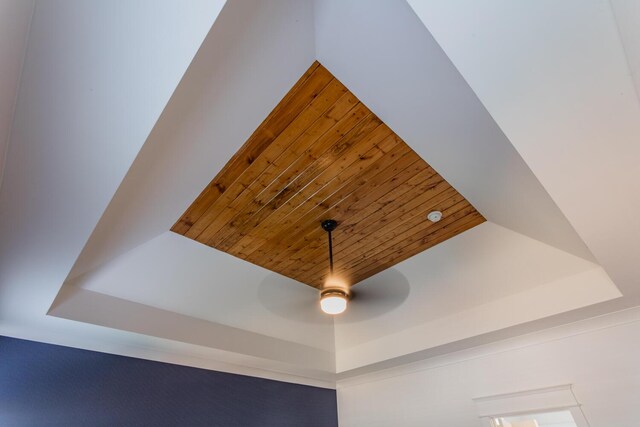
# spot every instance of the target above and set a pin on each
(599, 357)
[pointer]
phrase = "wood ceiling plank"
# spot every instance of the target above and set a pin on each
(420, 197)
(335, 172)
(287, 109)
(310, 235)
(330, 160)
(284, 145)
(301, 223)
(374, 243)
(322, 154)
(266, 143)
(417, 208)
(393, 238)
(281, 171)
(350, 212)
(319, 200)
(291, 181)
(289, 227)
(405, 238)
(469, 221)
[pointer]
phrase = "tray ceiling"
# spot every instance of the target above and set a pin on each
(107, 237)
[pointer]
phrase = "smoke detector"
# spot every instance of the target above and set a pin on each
(434, 216)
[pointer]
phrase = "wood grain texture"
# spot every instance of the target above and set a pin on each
(323, 154)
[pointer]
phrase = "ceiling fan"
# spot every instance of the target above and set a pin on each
(375, 296)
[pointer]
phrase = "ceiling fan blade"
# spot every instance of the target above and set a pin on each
(291, 300)
(376, 295)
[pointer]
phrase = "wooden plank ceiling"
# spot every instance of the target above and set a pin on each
(322, 154)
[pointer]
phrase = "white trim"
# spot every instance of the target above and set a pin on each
(227, 362)
(550, 399)
(526, 402)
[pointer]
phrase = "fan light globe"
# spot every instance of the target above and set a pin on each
(333, 303)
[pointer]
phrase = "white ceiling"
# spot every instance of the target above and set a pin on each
(182, 276)
(112, 140)
(564, 97)
(15, 16)
(392, 63)
(486, 279)
(238, 76)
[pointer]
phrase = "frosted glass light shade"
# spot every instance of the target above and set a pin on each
(333, 303)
